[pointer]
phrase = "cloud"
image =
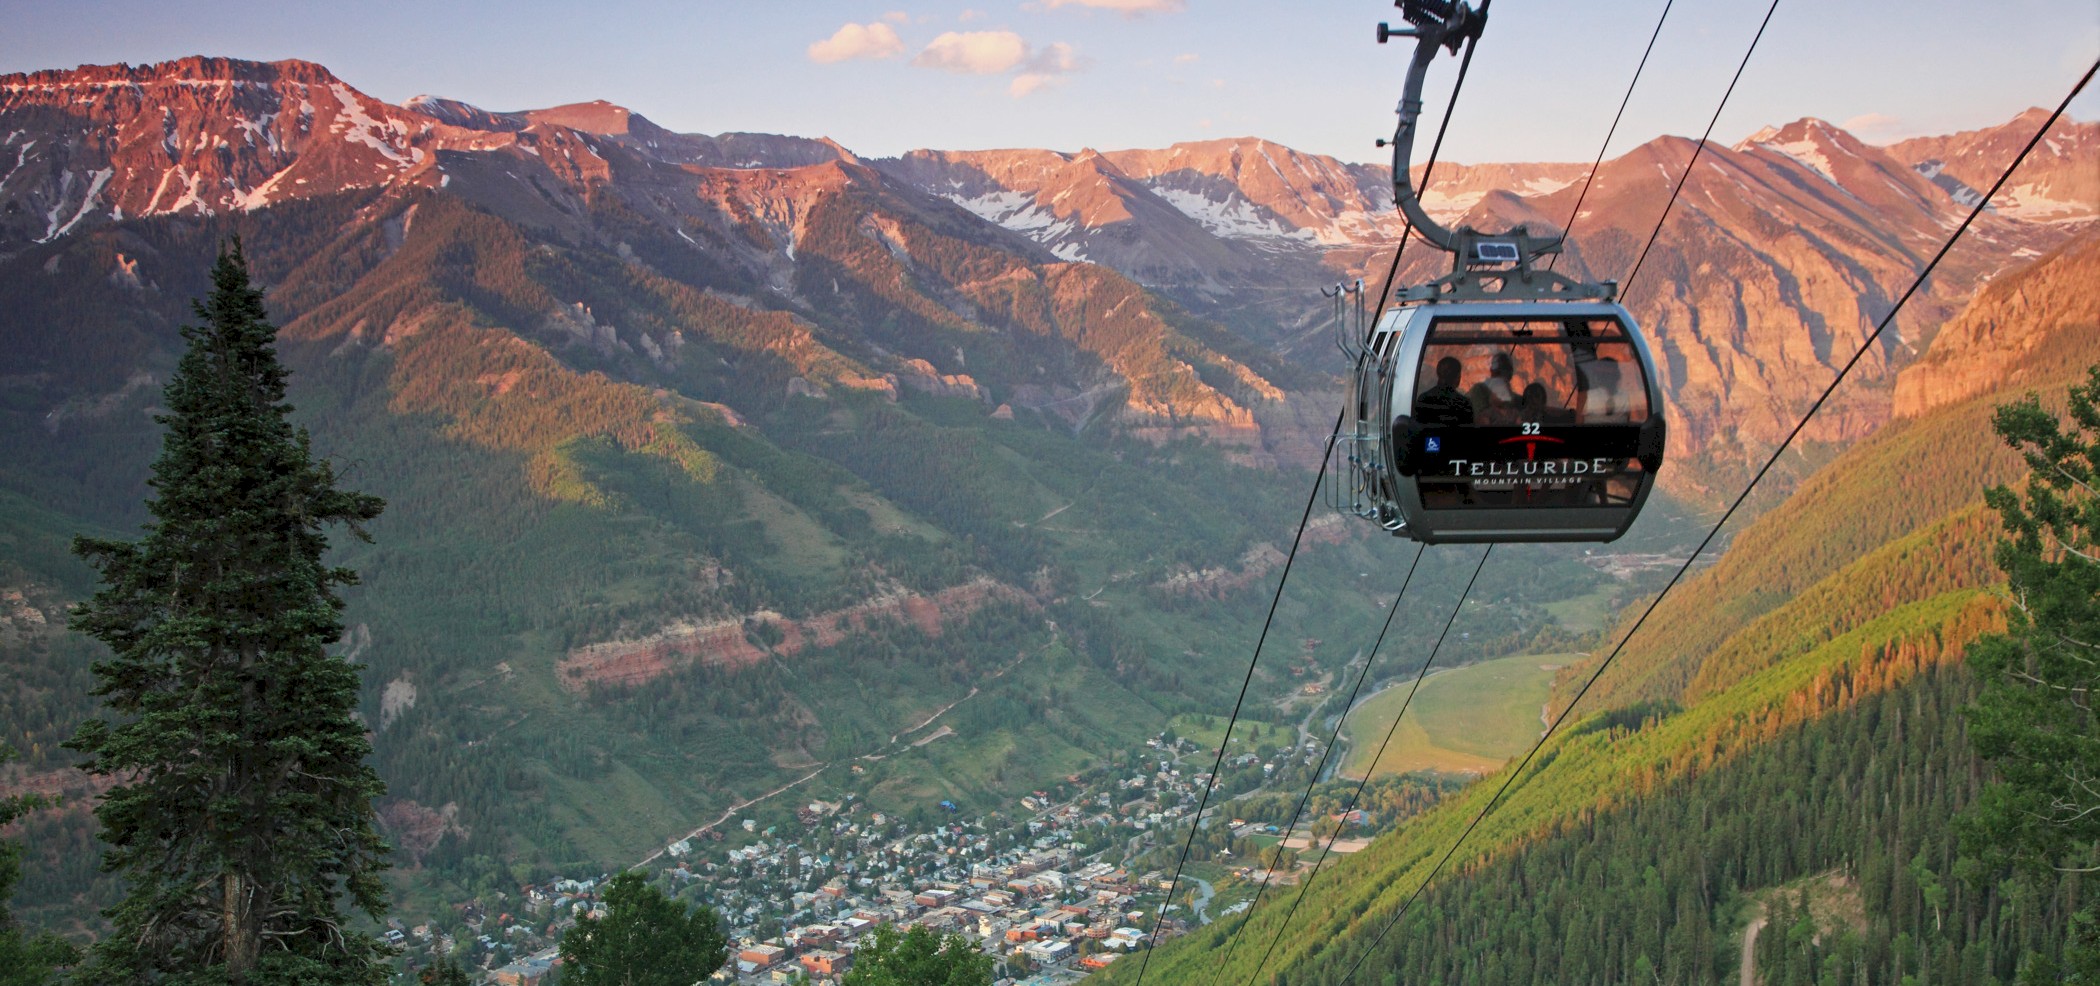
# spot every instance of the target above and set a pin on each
(970, 14)
(897, 17)
(877, 40)
(1046, 68)
(1055, 59)
(974, 52)
(1028, 82)
(1185, 59)
(1872, 126)
(1128, 8)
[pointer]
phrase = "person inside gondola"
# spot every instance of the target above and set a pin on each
(1494, 400)
(1445, 404)
(1597, 397)
(1533, 407)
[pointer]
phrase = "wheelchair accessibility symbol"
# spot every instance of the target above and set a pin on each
(1434, 444)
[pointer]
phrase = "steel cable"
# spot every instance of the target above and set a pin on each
(1865, 346)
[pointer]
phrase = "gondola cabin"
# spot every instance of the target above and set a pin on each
(1498, 421)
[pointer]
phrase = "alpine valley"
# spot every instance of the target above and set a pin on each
(741, 477)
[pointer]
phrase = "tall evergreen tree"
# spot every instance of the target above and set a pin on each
(2036, 720)
(242, 816)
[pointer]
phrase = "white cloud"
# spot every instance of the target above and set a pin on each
(970, 14)
(1028, 82)
(1873, 126)
(1185, 59)
(1046, 68)
(877, 40)
(1055, 59)
(1128, 8)
(974, 52)
(897, 17)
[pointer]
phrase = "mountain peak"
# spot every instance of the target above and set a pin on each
(594, 117)
(460, 113)
(192, 68)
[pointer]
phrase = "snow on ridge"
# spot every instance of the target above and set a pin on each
(2032, 202)
(65, 184)
(1807, 154)
(1237, 219)
(190, 197)
(260, 127)
(359, 127)
(1447, 206)
(259, 197)
(87, 202)
(1018, 212)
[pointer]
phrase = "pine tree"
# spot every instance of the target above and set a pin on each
(242, 817)
(2036, 720)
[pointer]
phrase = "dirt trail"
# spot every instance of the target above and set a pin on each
(1757, 924)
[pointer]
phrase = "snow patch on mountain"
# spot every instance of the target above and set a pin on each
(359, 127)
(1807, 154)
(1236, 218)
(87, 202)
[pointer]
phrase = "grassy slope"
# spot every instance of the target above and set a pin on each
(1466, 720)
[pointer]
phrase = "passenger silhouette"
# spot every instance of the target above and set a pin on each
(1597, 396)
(1494, 400)
(1443, 404)
(1533, 406)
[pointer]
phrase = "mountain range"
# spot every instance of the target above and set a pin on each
(717, 460)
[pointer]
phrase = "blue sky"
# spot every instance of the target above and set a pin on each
(886, 76)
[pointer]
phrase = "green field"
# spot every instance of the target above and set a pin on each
(1205, 731)
(1585, 613)
(1465, 721)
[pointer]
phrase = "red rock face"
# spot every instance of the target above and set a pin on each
(2005, 335)
(1781, 253)
(735, 642)
(198, 136)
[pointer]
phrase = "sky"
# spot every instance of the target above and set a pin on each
(886, 76)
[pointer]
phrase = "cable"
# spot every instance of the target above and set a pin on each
(1306, 888)
(1625, 285)
(1568, 229)
(1348, 705)
(1385, 293)
(1357, 796)
(1861, 352)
